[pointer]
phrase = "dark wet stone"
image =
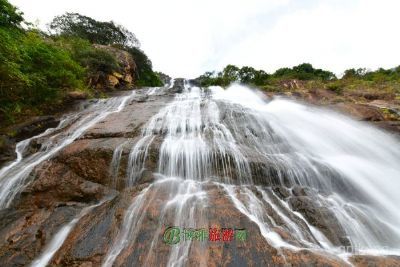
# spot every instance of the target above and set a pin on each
(281, 191)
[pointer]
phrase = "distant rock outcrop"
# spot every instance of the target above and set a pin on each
(124, 78)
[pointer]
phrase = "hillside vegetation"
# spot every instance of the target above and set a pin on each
(38, 69)
(363, 94)
(361, 84)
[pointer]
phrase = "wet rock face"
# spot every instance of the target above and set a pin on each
(82, 174)
(360, 112)
(34, 127)
(366, 261)
(75, 178)
(21, 132)
(177, 87)
(24, 233)
(320, 217)
(7, 149)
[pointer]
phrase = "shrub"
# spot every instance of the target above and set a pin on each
(145, 76)
(94, 60)
(335, 87)
(34, 71)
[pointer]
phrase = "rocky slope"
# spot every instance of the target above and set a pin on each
(82, 175)
(101, 82)
(124, 78)
(380, 109)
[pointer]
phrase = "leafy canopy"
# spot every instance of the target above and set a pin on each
(9, 15)
(304, 71)
(97, 32)
(232, 73)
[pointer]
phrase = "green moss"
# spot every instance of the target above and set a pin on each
(12, 133)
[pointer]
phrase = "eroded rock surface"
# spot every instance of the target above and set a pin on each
(81, 175)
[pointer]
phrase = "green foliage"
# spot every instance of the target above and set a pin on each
(33, 71)
(231, 73)
(145, 76)
(10, 16)
(249, 75)
(105, 33)
(378, 76)
(336, 87)
(304, 71)
(96, 32)
(208, 79)
(37, 70)
(10, 56)
(354, 73)
(49, 68)
(92, 59)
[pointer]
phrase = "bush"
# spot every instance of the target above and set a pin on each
(34, 71)
(145, 76)
(335, 87)
(92, 59)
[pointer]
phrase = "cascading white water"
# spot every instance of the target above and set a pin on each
(13, 178)
(244, 144)
(326, 151)
(239, 139)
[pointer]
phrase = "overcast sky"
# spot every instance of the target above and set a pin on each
(185, 38)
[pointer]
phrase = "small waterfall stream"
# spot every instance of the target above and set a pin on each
(13, 177)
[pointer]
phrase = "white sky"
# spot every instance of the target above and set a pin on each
(185, 38)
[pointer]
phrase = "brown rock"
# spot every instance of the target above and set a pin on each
(360, 111)
(127, 64)
(112, 81)
(77, 95)
(367, 261)
(128, 78)
(320, 217)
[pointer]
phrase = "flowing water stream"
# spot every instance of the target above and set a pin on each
(13, 177)
(237, 139)
(246, 146)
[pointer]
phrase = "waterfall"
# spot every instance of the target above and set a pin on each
(247, 144)
(306, 178)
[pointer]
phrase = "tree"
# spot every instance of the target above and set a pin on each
(105, 33)
(230, 74)
(354, 73)
(304, 71)
(10, 15)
